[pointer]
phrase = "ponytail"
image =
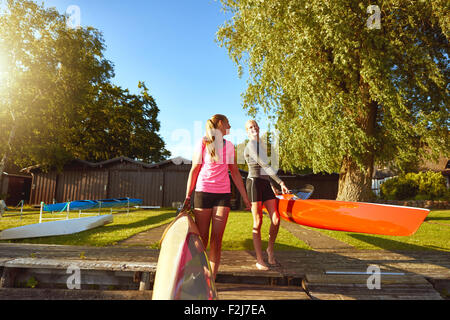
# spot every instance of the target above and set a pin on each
(211, 143)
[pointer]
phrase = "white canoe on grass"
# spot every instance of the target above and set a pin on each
(56, 228)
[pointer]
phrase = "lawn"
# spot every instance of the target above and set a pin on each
(123, 227)
(238, 234)
(433, 234)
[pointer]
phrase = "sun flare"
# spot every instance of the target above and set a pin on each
(3, 69)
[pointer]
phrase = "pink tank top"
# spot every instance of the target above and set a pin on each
(213, 177)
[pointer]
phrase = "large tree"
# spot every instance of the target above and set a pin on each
(119, 123)
(346, 93)
(57, 101)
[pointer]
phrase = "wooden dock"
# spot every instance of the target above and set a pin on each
(121, 273)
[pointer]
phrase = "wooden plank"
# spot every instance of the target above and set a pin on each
(81, 264)
(362, 279)
(328, 296)
(418, 267)
(7, 277)
(61, 294)
(230, 291)
(3, 261)
(354, 287)
(89, 279)
(442, 286)
(144, 283)
(361, 292)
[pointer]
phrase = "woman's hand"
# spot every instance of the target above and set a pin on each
(284, 189)
(187, 203)
(237, 179)
(248, 204)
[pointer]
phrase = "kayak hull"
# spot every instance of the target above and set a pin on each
(357, 217)
(55, 228)
(183, 271)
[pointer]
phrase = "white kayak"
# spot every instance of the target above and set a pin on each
(183, 271)
(55, 228)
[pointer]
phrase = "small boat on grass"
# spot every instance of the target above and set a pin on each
(55, 228)
(183, 271)
(92, 204)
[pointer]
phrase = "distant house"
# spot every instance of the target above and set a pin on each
(442, 166)
(383, 174)
(379, 177)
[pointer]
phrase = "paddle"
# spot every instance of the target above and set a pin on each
(304, 193)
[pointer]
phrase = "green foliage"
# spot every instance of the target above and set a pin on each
(58, 103)
(31, 283)
(419, 186)
(399, 188)
(344, 96)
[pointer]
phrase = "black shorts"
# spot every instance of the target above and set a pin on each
(206, 200)
(259, 190)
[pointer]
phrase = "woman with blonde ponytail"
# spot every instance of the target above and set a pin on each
(213, 159)
(210, 139)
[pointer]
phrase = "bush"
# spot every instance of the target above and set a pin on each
(399, 188)
(418, 186)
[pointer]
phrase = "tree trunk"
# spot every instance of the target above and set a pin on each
(355, 184)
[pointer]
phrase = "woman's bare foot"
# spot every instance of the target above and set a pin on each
(261, 266)
(271, 257)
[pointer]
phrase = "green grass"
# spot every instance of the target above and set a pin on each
(238, 234)
(434, 234)
(123, 227)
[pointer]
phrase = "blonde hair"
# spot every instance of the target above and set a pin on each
(211, 131)
(251, 122)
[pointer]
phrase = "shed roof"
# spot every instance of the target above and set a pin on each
(177, 161)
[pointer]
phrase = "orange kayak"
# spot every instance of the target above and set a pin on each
(357, 217)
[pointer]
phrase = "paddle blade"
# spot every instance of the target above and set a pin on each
(305, 192)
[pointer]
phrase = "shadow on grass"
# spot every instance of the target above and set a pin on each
(437, 218)
(394, 246)
(86, 237)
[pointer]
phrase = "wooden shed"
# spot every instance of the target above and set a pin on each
(326, 186)
(161, 184)
(16, 187)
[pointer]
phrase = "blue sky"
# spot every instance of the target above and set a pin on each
(170, 45)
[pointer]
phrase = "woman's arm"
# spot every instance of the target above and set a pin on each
(237, 179)
(192, 181)
(262, 161)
